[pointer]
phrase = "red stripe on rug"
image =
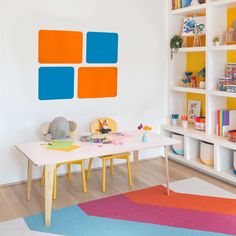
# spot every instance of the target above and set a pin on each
(157, 196)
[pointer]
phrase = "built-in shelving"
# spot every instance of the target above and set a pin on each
(214, 58)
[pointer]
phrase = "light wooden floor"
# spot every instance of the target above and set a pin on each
(13, 203)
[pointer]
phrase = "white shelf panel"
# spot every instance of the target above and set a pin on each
(222, 94)
(188, 90)
(189, 10)
(223, 48)
(193, 49)
(224, 3)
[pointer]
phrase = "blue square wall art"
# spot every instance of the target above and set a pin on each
(102, 47)
(56, 83)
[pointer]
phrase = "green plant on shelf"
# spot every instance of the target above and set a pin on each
(176, 42)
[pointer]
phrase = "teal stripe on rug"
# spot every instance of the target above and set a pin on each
(72, 221)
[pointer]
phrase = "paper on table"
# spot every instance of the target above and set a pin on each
(68, 149)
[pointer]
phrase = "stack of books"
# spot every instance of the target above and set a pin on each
(177, 4)
(226, 120)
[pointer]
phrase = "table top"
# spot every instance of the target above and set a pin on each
(41, 156)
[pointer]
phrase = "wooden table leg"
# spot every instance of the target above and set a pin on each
(49, 174)
(167, 171)
(29, 182)
(136, 155)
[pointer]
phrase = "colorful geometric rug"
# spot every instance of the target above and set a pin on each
(194, 207)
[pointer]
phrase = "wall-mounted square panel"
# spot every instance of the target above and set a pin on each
(62, 47)
(102, 47)
(97, 82)
(56, 83)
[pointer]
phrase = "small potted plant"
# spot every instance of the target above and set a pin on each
(175, 43)
(202, 74)
(216, 40)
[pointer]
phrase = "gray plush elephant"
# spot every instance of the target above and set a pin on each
(60, 128)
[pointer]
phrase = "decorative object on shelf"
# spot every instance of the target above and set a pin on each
(194, 26)
(175, 43)
(226, 120)
(207, 153)
(231, 88)
(216, 40)
(174, 119)
(201, 1)
(184, 119)
(230, 35)
(194, 109)
(202, 74)
(200, 123)
(178, 148)
(187, 79)
(232, 136)
(223, 82)
(193, 81)
(230, 71)
(145, 128)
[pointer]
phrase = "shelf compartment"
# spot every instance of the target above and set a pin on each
(190, 10)
(188, 90)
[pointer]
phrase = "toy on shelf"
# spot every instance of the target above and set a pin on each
(230, 35)
(200, 123)
(216, 40)
(58, 129)
(187, 79)
(224, 82)
(145, 128)
(193, 81)
(174, 119)
(184, 119)
(202, 75)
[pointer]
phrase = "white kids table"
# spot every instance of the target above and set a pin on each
(38, 155)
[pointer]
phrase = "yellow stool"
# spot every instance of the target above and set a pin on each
(94, 128)
(80, 162)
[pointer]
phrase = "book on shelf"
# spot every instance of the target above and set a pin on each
(226, 120)
(177, 4)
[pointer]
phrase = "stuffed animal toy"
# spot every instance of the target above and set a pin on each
(60, 128)
(104, 127)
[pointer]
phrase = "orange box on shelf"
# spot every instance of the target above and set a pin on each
(58, 46)
(97, 82)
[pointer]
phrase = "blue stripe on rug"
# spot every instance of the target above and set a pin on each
(72, 221)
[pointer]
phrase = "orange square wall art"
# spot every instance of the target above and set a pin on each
(62, 47)
(97, 82)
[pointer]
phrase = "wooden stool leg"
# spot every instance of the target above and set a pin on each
(111, 167)
(104, 175)
(69, 172)
(42, 177)
(89, 167)
(83, 177)
(129, 172)
(55, 185)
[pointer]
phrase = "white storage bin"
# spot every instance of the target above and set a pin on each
(178, 148)
(207, 153)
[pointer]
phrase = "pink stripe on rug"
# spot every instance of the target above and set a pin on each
(120, 207)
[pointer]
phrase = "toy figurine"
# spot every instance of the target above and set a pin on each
(187, 79)
(104, 127)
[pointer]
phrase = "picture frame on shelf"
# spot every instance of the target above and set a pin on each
(192, 22)
(194, 109)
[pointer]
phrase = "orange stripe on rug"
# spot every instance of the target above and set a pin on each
(157, 196)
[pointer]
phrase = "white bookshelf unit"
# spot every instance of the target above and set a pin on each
(215, 61)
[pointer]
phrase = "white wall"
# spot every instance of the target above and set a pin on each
(141, 25)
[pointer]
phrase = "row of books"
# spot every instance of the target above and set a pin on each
(226, 120)
(177, 4)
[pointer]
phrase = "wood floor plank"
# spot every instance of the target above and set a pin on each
(145, 173)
